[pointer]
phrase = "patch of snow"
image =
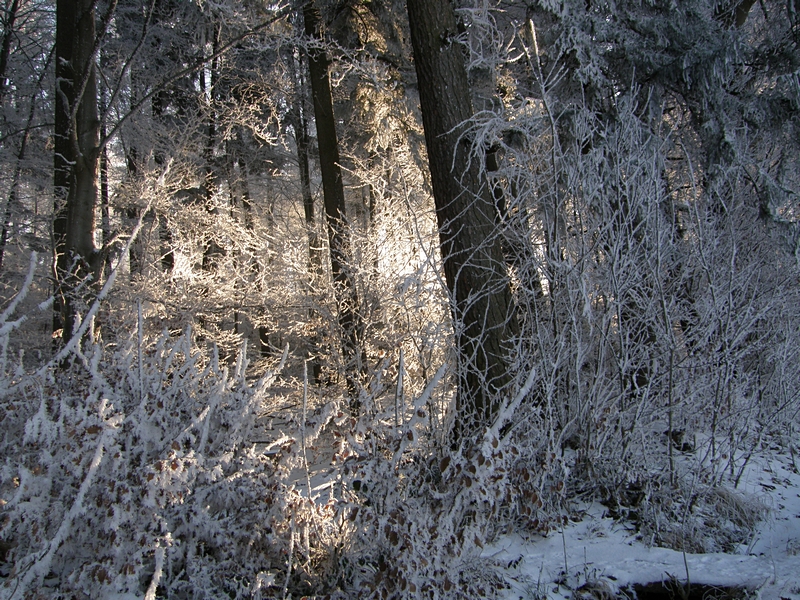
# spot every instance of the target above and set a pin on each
(600, 549)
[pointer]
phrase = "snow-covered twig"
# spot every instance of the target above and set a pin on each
(409, 435)
(157, 573)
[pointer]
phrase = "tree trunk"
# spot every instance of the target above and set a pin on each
(105, 207)
(11, 200)
(213, 252)
(5, 47)
(474, 267)
(301, 125)
(333, 191)
(77, 141)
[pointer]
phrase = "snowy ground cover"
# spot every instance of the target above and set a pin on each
(151, 467)
(599, 556)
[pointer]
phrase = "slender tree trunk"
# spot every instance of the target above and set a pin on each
(236, 192)
(136, 253)
(165, 240)
(333, 190)
(474, 266)
(105, 212)
(213, 252)
(105, 206)
(301, 126)
(304, 166)
(10, 201)
(23, 147)
(160, 104)
(9, 18)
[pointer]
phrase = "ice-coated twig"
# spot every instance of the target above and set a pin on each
(241, 363)
(23, 292)
(289, 561)
(398, 395)
(239, 435)
(303, 426)
(158, 571)
(140, 344)
(418, 404)
(208, 412)
(507, 412)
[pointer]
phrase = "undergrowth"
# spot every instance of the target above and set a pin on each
(142, 466)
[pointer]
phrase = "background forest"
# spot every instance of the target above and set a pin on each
(321, 297)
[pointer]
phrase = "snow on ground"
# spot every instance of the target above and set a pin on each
(607, 555)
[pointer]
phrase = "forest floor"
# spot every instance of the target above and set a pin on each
(598, 557)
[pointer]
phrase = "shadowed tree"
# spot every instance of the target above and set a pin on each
(77, 154)
(474, 266)
(9, 18)
(336, 217)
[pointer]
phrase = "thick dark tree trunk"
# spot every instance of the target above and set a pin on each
(333, 190)
(474, 266)
(77, 153)
(5, 46)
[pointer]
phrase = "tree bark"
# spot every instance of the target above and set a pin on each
(315, 260)
(336, 217)
(300, 124)
(213, 252)
(5, 47)
(77, 153)
(482, 307)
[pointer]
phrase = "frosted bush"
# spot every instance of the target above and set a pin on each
(134, 471)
